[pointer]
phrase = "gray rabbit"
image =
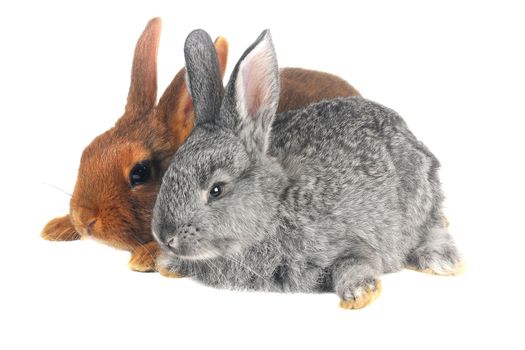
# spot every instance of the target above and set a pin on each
(322, 199)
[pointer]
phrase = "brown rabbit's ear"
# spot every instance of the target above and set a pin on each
(221, 46)
(175, 107)
(142, 93)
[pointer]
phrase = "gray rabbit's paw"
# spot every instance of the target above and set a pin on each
(360, 295)
(168, 268)
(169, 272)
(440, 268)
(437, 255)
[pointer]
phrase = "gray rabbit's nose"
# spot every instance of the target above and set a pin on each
(181, 236)
(172, 242)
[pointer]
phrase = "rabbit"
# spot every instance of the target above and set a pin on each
(322, 199)
(120, 171)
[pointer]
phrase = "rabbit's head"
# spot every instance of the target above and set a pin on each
(120, 171)
(221, 193)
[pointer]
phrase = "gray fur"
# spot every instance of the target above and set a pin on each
(206, 93)
(343, 194)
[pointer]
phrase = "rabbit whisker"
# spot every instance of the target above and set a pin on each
(141, 245)
(210, 264)
(58, 188)
(264, 278)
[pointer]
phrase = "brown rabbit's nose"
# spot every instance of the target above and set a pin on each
(90, 225)
(85, 218)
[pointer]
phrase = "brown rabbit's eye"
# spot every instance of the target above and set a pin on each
(140, 173)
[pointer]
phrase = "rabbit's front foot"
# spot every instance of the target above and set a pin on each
(361, 295)
(60, 229)
(168, 267)
(143, 257)
(166, 271)
(355, 281)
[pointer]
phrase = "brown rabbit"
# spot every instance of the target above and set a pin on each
(121, 170)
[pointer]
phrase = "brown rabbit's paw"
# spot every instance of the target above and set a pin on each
(361, 296)
(168, 272)
(142, 262)
(60, 229)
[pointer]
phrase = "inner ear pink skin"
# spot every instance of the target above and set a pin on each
(256, 79)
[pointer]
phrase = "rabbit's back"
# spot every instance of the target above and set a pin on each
(356, 170)
(331, 125)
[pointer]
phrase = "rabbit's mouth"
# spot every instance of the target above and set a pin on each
(201, 249)
(193, 252)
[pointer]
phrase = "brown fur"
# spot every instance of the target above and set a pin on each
(60, 229)
(104, 206)
(300, 87)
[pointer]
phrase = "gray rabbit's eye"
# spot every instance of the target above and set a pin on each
(216, 190)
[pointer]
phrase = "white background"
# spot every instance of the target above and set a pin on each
(454, 70)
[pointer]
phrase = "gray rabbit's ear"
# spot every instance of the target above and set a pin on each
(203, 76)
(253, 93)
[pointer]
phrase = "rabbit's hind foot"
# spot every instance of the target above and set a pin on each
(436, 255)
